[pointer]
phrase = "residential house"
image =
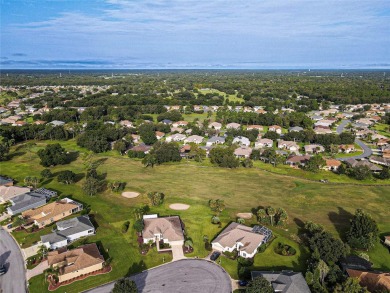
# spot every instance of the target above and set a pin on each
(68, 231)
(324, 122)
(179, 123)
(373, 281)
(233, 126)
(365, 121)
(331, 165)
(377, 160)
(355, 163)
(9, 192)
(126, 123)
(241, 140)
(215, 125)
(141, 148)
(258, 127)
(52, 212)
(74, 263)
(316, 117)
(25, 202)
(185, 150)
(194, 139)
(387, 241)
(166, 229)
(243, 152)
(295, 129)
(215, 140)
(239, 237)
(166, 121)
(56, 123)
(347, 148)
(159, 135)
(314, 148)
(322, 130)
(284, 281)
(177, 129)
(275, 128)
(297, 160)
(136, 138)
(175, 137)
(264, 143)
(288, 145)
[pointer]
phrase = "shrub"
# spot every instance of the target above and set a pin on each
(232, 255)
(125, 226)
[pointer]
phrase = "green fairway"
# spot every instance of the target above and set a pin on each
(194, 184)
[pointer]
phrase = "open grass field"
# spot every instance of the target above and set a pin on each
(232, 98)
(382, 129)
(194, 184)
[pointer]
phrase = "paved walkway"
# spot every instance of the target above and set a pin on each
(177, 252)
(37, 270)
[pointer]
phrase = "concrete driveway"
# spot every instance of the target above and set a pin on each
(31, 251)
(187, 275)
(37, 270)
(177, 252)
(14, 281)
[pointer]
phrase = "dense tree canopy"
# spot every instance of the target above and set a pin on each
(52, 155)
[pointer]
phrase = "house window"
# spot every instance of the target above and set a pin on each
(90, 231)
(243, 254)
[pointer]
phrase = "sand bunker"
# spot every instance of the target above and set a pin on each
(244, 215)
(179, 206)
(130, 194)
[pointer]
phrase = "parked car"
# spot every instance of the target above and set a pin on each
(215, 255)
(2, 270)
(9, 226)
(242, 283)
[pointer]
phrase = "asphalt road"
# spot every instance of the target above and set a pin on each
(366, 150)
(14, 281)
(181, 276)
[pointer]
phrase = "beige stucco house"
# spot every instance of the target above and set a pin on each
(77, 262)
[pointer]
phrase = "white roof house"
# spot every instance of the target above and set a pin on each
(215, 140)
(288, 145)
(194, 139)
(233, 126)
(176, 137)
(215, 125)
(264, 142)
(239, 237)
(242, 140)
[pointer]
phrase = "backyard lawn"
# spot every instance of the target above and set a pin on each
(194, 184)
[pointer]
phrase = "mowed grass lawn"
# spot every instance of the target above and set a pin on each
(194, 184)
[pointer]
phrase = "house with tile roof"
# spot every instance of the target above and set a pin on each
(74, 263)
(373, 281)
(9, 192)
(238, 237)
(52, 212)
(167, 229)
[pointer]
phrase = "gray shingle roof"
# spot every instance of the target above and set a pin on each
(67, 228)
(25, 200)
(284, 282)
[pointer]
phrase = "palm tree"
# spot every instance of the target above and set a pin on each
(215, 220)
(42, 251)
(271, 214)
(241, 221)
(323, 269)
(27, 180)
(34, 181)
(282, 216)
(19, 221)
(261, 214)
(188, 244)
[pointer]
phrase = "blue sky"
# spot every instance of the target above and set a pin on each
(195, 34)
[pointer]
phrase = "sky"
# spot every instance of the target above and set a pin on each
(242, 34)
